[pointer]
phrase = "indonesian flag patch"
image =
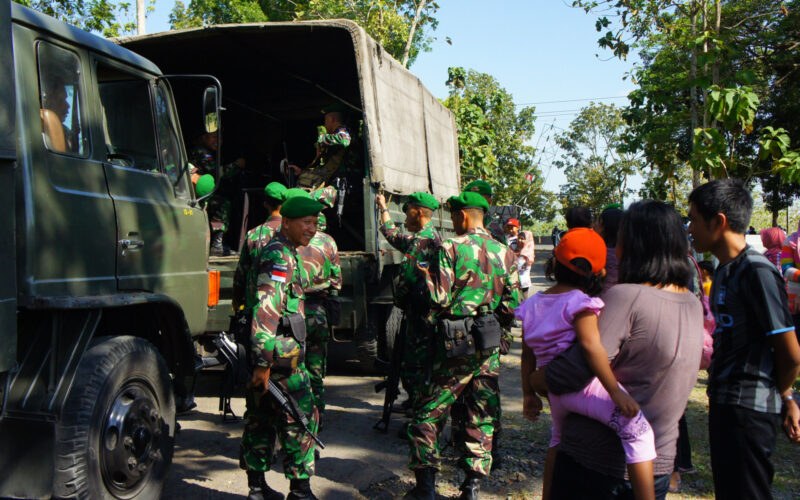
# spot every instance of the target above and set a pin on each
(279, 273)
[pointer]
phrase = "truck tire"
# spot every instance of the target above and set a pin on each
(394, 322)
(116, 433)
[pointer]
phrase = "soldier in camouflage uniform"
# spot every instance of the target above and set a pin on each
(218, 207)
(244, 279)
(411, 293)
(473, 277)
(333, 150)
(322, 283)
(278, 357)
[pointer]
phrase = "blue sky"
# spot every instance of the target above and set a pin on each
(539, 50)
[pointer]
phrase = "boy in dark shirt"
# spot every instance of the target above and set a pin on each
(756, 355)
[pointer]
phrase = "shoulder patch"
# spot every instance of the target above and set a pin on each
(279, 273)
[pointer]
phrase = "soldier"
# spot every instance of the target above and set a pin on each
(491, 224)
(322, 282)
(332, 149)
(411, 294)
(203, 159)
(497, 231)
(244, 280)
(278, 345)
(474, 289)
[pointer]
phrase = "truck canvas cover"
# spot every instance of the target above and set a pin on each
(410, 137)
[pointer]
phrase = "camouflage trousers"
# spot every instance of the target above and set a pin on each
(264, 422)
(219, 212)
(317, 336)
(412, 368)
(458, 413)
(476, 377)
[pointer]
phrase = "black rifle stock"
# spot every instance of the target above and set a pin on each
(289, 406)
(392, 382)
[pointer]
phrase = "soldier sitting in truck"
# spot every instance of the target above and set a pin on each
(332, 148)
(203, 158)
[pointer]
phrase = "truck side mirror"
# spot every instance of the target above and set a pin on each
(211, 110)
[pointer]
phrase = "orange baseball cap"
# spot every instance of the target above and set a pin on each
(512, 222)
(584, 243)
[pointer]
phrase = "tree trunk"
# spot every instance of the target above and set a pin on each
(696, 178)
(140, 29)
(775, 214)
(414, 23)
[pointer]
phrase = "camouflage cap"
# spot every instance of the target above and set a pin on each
(205, 184)
(421, 199)
(300, 206)
(275, 190)
(479, 186)
(468, 199)
(334, 107)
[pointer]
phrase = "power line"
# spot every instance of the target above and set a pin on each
(573, 100)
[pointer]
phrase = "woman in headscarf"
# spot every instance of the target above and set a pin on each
(772, 238)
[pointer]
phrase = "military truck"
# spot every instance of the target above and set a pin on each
(104, 252)
(277, 77)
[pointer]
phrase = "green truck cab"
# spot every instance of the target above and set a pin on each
(104, 250)
(277, 77)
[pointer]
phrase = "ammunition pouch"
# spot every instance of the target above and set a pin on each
(290, 344)
(457, 335)
(333, 308)
(487, 332)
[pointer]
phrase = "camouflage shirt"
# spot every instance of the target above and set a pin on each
(320, 261)
(473, 270)
(244, 279)
(339, 137)
(279, 293)
(417, 248)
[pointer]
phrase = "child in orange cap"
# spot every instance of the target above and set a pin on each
(558, 317)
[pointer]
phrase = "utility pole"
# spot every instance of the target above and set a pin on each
(140, 17)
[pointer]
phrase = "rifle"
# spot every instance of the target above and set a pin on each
(289, 405)
(391, 384)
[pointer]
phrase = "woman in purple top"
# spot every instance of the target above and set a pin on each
(652, 329)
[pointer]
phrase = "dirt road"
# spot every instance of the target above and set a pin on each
(359, 462)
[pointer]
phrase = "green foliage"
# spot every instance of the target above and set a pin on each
(101, 16)
(492, 141)
(389, 22)
(595, 158)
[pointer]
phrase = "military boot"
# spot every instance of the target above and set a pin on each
(217, 249)
(426, 485)
(300, 489)
(259, 490)
(470, 486)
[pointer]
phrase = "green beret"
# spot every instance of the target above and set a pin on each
(205, 184)
(334, 107)
(468, 199)
(612, 206)
(479, 186)
(300, 206)
(275, 190)
(295, 192)
(421, 199)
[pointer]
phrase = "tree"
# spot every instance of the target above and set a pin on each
(493, 142)
(401, 26)
(595, 158)
(102, 16)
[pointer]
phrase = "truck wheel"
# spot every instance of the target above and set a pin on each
(394, 322)
(117, 427)
(367, 353)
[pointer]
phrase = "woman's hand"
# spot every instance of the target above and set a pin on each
(531, 406)
(626, 403)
